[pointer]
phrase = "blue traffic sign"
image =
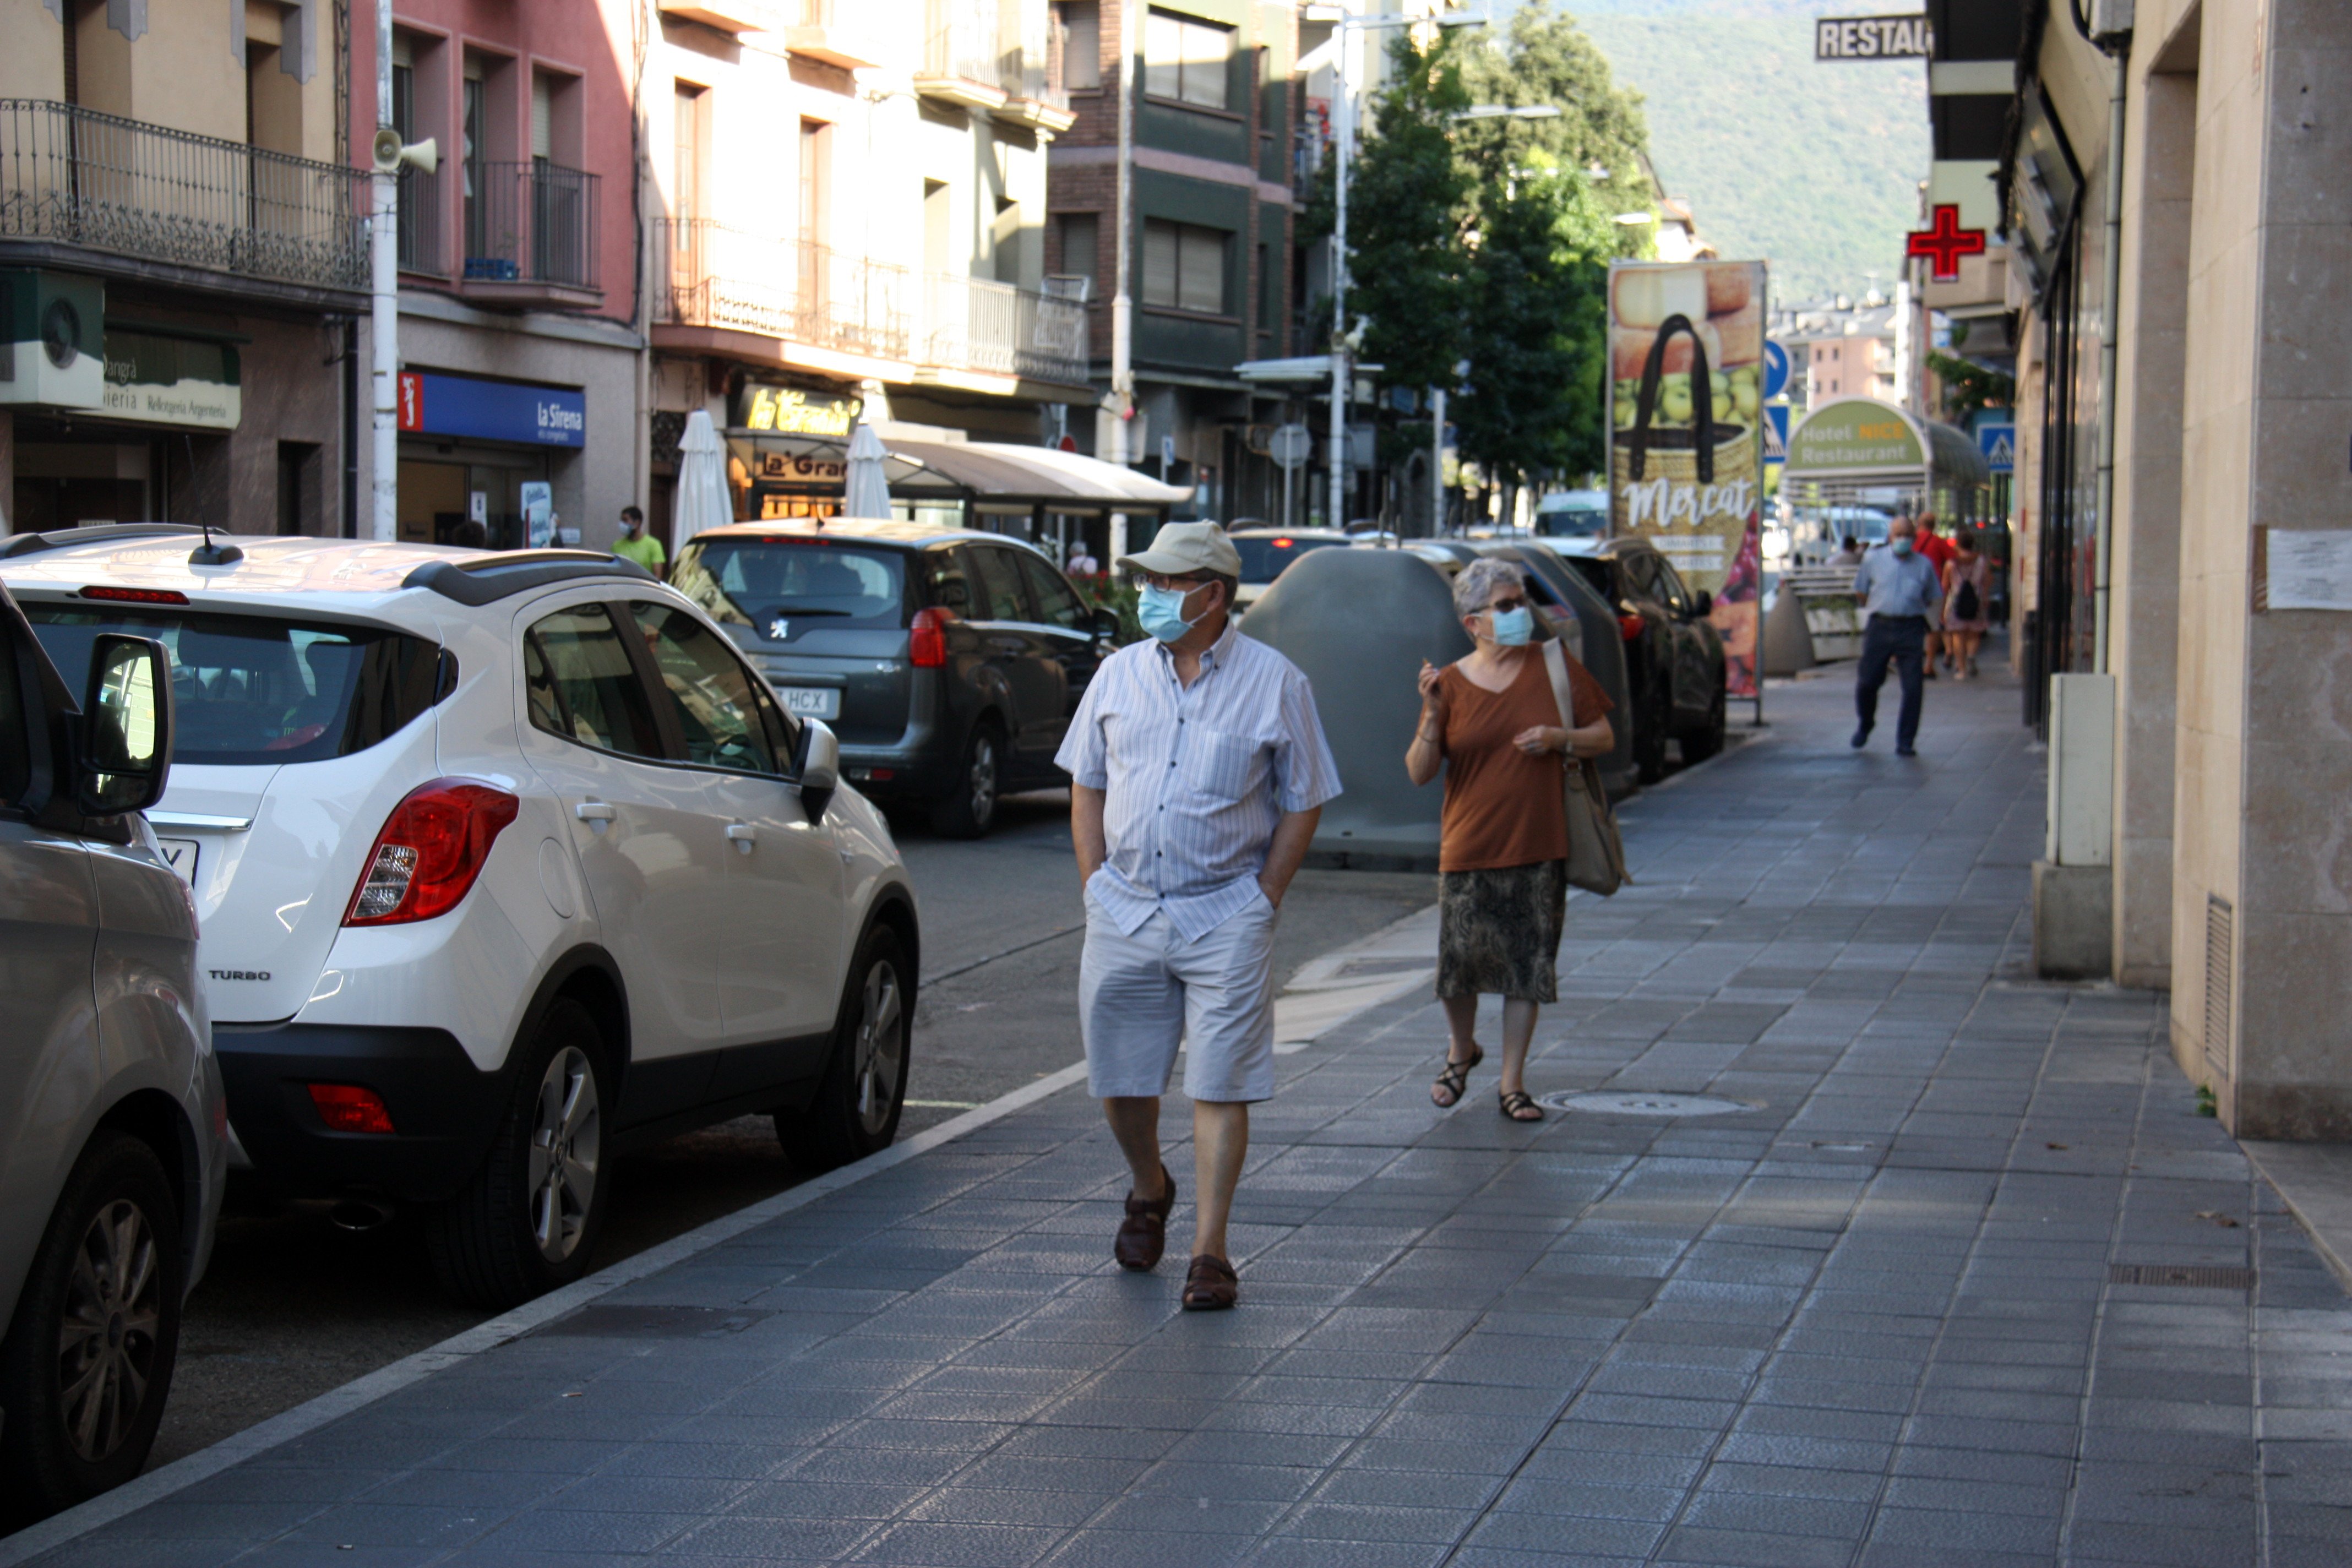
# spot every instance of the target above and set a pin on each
(1776, 370)
(1776, 433)
(1999, 445)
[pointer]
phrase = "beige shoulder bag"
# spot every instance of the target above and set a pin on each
(1596, 855)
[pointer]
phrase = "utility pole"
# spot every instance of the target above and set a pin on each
(1437, 463)
(1343, 147)
(384, 271)
(1122, 324)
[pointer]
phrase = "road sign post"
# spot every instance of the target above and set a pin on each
(1289, 447)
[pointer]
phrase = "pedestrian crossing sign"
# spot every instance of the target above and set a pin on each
(1999, 445)
(1776, 433)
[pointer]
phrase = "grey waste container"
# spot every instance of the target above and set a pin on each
(1358, 623)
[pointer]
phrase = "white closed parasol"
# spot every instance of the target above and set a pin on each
(868, 492)
(703, 499)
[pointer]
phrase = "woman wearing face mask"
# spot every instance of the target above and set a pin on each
(1491, 720)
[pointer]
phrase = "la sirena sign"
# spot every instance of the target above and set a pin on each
(1872, 38)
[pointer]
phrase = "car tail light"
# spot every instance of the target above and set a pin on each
(137, 595)
(1631, 627)
(927, 639)
(429, 852)
(348, 1108)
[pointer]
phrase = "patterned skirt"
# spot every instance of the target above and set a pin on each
(1498, 932)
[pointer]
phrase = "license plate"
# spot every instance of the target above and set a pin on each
(811, 702)
(180, 854)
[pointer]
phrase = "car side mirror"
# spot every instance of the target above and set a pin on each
(124, 755)
(820, 767)
(1105, 623)
(1705, 607)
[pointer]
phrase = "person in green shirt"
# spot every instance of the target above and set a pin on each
(635, 544)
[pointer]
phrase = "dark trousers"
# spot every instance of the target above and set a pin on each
(1903, 641)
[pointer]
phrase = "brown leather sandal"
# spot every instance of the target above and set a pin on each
(1211, 1285)
(1456, 1080)
(1143, 1234)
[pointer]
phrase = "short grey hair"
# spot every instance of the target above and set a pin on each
(1476, 583)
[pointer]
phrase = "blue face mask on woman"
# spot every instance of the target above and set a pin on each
(1512, 628)
(1162, 611)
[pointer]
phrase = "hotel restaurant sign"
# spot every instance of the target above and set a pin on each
(1872, 38)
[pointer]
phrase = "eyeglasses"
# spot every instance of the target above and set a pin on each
(1514, 602)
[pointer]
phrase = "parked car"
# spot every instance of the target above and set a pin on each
(112, 1149)
(1573, 514)
(1674, 655)
(950, 661)
(1265, 552)
(507, 863)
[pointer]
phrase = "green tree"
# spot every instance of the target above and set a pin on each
(1407, 201)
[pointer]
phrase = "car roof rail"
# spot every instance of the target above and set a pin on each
(486, 579)
(89, 533)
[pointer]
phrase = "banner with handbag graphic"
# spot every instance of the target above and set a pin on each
(1686, 447)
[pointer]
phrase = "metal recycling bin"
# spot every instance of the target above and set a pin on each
(1358, 623)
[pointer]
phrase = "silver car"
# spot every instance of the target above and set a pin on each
(113, 1127)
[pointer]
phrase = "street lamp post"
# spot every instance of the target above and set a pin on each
(1347, 23)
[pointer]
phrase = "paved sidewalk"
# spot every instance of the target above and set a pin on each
(1885, 1316)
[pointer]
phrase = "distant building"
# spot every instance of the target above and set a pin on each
(1839, 348)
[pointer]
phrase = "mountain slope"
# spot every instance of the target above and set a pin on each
(1814, 167)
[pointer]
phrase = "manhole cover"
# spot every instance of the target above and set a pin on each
(1639, 1102)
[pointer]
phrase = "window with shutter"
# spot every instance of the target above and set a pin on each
(1201, 270)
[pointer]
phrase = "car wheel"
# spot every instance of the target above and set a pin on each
(87, 1362)
(1708, 739)
(1650, 733)
(529, 1220)
(855, 1109)
(969, 809)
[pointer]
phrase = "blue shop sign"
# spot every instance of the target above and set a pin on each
(520, 411)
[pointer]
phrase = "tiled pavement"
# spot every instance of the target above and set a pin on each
(1872, 1320)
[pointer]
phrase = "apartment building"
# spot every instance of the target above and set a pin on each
(2183, 634)
(1221, 146)
(181, 258)
(1840, 347)
(848, 204)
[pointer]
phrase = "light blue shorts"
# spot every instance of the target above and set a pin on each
(1140, 996)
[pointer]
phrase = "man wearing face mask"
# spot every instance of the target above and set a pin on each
(1198, 771)
(1902, 596)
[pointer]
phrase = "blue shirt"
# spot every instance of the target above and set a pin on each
(1892, 584)
(1196, 777)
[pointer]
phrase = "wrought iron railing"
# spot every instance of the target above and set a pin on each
(419, 230)
(79, 177)
(803, 292)
(965, 40)
(979, 324)
(722, 276)
(532, 222)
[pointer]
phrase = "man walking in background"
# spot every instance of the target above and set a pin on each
(635, 544)
(1900, 594)
(1199, 770)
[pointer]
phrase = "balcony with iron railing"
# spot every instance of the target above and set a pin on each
(182, 207)
(842, 32)
(815, 306)
(986, 328)
(531, 231)
(965, 60)
(419, 224)
(722, 279)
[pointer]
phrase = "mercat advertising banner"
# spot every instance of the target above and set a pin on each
(1686, 449)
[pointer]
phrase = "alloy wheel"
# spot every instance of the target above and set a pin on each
(881, 1048)
(108, 1334)
(566, 1142)
(982, 779)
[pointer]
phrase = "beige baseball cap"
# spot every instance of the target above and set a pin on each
(1183, 548)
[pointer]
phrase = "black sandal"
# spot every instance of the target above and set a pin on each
(1517, 1100)
(1456, 1080)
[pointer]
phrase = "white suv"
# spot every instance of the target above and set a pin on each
(505, 863)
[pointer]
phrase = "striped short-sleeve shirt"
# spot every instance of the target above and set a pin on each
(1196, 777)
